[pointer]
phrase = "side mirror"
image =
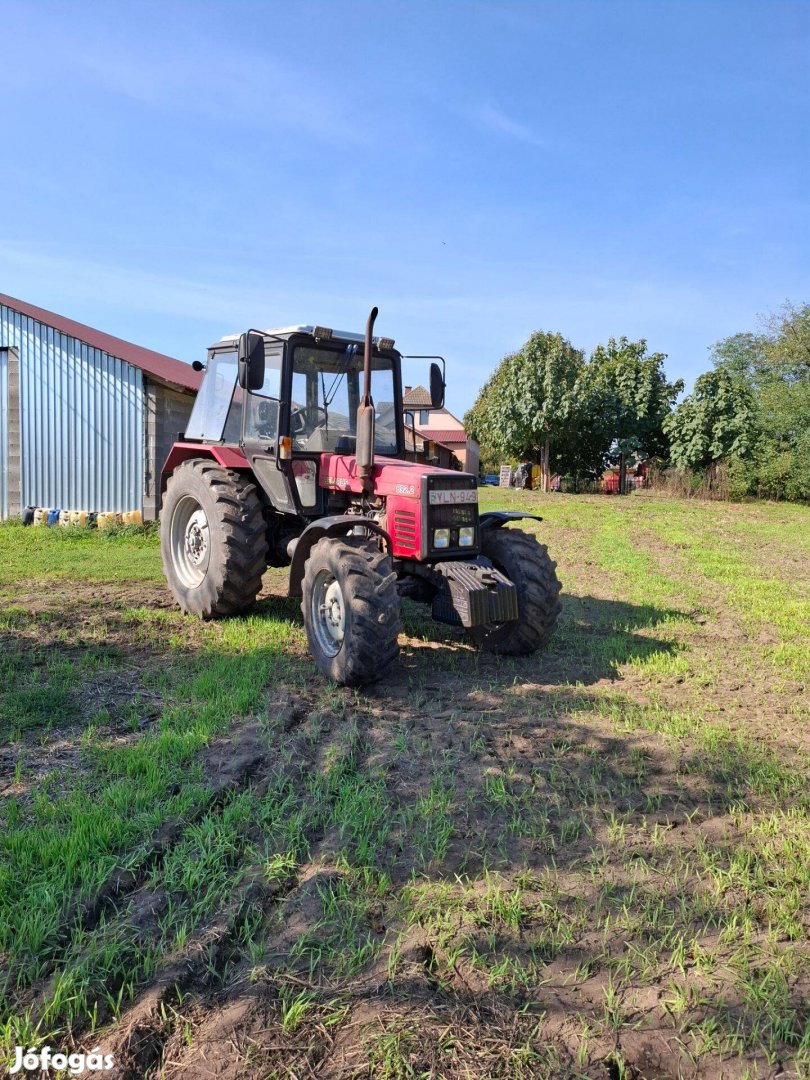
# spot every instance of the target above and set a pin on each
(251, 361)
(436, 387)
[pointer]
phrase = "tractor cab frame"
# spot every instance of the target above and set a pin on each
(304, 405)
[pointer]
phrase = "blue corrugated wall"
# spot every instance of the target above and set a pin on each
(81, 420)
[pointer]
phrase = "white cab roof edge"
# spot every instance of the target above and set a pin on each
(286, 331)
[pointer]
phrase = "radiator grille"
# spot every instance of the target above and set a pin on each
(448, 516)
(405, 532)
(452, 516)
(451, 481)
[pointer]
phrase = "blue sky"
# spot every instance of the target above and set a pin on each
(175, 171)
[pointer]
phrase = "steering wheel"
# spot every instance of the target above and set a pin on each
(298, 419)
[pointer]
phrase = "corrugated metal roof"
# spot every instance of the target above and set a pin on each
(443, 435)
(164, 368)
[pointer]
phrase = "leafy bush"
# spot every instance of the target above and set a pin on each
(746, 426)
(741, 480)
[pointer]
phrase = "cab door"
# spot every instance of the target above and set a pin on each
(262, 423)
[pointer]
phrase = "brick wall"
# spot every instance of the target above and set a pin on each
(167, 413)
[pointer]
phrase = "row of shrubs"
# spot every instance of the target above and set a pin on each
(782, 477)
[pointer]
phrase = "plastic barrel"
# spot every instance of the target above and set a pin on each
(64, 517)
(39, 515)
(28, 515)
(53, 517)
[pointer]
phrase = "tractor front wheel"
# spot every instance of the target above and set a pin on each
(212, 539)
(351, 610)
(528, 566)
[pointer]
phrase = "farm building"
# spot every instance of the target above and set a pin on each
(86, 419)
(452, 446)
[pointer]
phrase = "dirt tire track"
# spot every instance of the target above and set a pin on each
(141, 1035)
(228, 775)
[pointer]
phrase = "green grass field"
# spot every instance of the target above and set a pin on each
(594, 862)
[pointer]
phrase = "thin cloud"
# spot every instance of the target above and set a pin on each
(27, 273)
(233, 87)
(252, 92)
(194, 308)
(495, 119)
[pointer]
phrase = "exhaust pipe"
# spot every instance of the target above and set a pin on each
(364, 452)
(367, 357)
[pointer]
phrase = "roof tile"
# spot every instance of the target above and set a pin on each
(443, 435)
(417, 397)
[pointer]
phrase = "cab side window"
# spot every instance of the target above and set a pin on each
(262, 407)
(262, 420)
(233, 425)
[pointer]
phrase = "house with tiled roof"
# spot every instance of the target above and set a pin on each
(440, 427)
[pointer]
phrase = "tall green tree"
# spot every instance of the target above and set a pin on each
(528, 404)
(627, 393)
(715, 422)
(742, 356)
(774, 369)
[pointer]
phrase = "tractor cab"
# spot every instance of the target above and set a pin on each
(297, 400)
(289, 460)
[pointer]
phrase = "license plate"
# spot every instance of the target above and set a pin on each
(453, 498)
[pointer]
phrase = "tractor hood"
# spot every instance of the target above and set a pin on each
(389, 477)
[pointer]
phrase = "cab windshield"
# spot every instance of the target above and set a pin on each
(326, 388)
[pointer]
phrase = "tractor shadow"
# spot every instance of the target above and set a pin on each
(278, 607)
(592, 640)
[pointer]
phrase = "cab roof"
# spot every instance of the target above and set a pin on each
(288, 331)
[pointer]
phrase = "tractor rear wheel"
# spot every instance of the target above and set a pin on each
(351, 610)
(212, 539)
(528, 566)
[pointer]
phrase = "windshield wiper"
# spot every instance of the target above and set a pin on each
(328, 398)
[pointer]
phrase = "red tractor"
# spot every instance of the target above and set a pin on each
(286, 461)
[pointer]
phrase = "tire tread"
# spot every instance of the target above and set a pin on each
(238, 556)
(369, 587)
(527, 563)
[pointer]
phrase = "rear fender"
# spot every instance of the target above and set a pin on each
(340, 525)
(494, 519)
(230, 457)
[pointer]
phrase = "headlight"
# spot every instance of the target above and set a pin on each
(466, 536)
(441, 538)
